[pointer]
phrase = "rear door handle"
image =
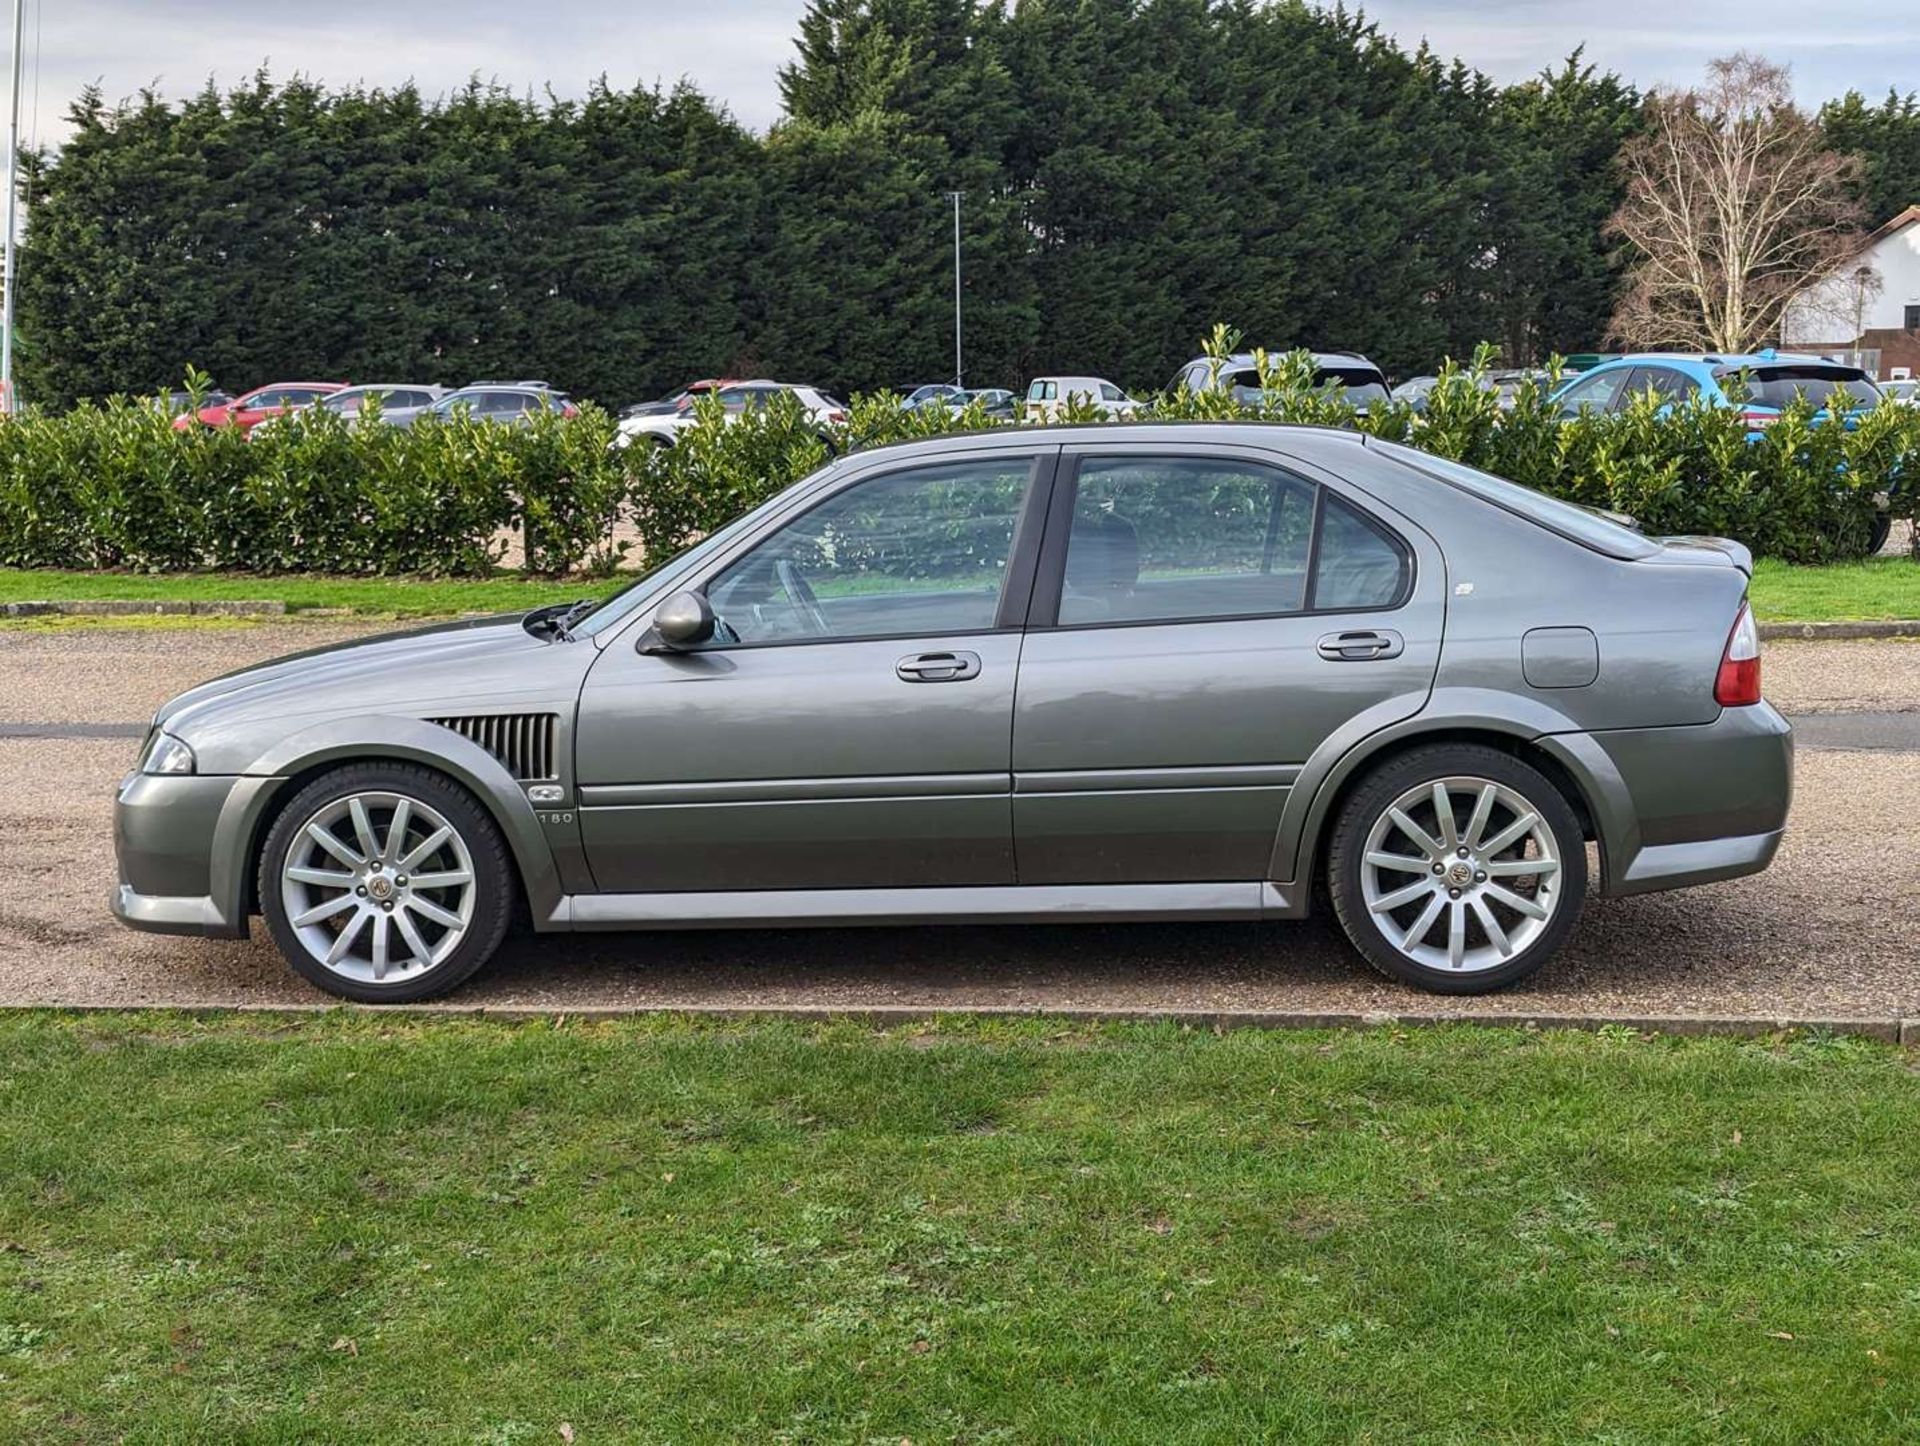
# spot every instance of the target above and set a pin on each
(938, 667)
(1360, 646)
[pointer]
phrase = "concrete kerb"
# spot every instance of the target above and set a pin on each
(1841, 632)
(1893, 1029)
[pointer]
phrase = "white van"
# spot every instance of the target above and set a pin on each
(1047, 395)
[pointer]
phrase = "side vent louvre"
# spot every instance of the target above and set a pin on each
(521, 741)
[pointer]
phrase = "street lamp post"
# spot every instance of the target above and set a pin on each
(954, 196)
(7, 264)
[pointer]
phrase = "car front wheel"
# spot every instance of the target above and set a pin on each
(1457, 868)
(385, 883)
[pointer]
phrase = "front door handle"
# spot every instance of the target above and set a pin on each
(938, 667)
(1360, 646)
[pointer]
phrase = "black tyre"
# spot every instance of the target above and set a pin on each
(1457, 868)
(385, 883)
(1878, 533)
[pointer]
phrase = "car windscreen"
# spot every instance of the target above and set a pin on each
(1577, 524)
(1361, 384)
(1825, 386)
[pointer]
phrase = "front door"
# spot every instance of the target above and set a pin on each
(1203, 620)
(849, 726)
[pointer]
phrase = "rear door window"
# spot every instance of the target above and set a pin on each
(1594, 393)
(1845, 387)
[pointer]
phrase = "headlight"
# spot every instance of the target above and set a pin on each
(167, 754)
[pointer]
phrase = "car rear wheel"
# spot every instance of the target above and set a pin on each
(385, 883)
(1457, 868)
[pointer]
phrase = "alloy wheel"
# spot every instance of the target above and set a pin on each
(1461, 874)
(378, 887)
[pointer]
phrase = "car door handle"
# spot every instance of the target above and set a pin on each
(938, 667)
(1361, 646)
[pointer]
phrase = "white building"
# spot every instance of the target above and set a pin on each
(1871, 305)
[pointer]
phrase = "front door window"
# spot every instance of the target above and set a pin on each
(909, 554)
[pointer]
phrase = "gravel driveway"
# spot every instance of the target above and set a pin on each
(1827, 931)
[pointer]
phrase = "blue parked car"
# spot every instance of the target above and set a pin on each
(1771, 380)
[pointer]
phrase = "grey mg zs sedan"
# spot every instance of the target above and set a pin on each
(1143, 672)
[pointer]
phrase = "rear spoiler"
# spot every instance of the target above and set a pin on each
(1694, 551)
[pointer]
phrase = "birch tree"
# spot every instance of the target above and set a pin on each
(1734, 205)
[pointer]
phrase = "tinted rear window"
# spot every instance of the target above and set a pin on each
(1776, 386)
(1589, 529)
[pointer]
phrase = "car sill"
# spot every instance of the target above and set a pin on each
(1031, 904)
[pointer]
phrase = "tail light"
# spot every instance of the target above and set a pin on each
(1737, 684)
(1756, 420)
(836, 415)
(569, 410)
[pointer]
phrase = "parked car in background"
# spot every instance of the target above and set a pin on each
(663, 429)
(399, 402)
(1360, 380)
(1415, 391)
(252, 408)
(673, 400)
(1046, 396)
(1162, 672)
(511, 403)
(1767, 380)
(1903, 389)
(935, 394)
(176, 403)
(996, 402)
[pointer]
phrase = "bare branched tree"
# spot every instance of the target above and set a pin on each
(1734, 205)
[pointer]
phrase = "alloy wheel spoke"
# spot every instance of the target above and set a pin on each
(1511, 834)
(347, 935)
(1456, 933)
(1412, 830)
(363, 829)
(1521, 868)
(440, 881)
(425, 848)
(1387, 903)
(1425, 922)
(323, 911)
(1492, 925)
(1482, 810)
(1399, 863)
(321, 878)
(427, 909)
(1516, 902)
(410, 935)
(380, 945)
(1443, 815)
(326, 840)
(397, 830)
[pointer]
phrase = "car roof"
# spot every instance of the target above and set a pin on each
(1719, 359)
(1320, 359)
(395, 387)
(1068, 434)
(269, 386)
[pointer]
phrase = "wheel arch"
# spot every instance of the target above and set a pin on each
(1321, 791)
(287, 767)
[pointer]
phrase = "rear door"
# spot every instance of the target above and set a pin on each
(1204, 618)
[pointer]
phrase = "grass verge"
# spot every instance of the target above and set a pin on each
(378, 1228)
(381, 596)
(1877, 588)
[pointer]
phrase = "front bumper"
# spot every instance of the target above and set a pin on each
(168, 837)
(1680, 806)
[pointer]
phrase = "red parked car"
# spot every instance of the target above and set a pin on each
(249, 411)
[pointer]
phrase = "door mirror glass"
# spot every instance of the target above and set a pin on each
(684, 621)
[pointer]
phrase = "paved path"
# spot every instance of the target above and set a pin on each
(1826, 932)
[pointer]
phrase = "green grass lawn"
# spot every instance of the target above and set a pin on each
(395, 596)
(1880, 587)
(367, 1228)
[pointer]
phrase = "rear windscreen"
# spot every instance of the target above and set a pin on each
(1824, 386)
(1362, 384)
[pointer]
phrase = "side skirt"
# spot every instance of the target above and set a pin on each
(1012, 904)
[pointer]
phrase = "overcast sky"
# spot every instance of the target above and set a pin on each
(732, 48)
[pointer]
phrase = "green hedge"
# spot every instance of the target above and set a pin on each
(116, 487)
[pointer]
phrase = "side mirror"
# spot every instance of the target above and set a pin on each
(683, 621)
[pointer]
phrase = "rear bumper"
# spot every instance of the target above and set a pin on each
(1679, 806)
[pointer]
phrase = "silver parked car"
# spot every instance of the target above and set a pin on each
(1152, 672)
(398, 403)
